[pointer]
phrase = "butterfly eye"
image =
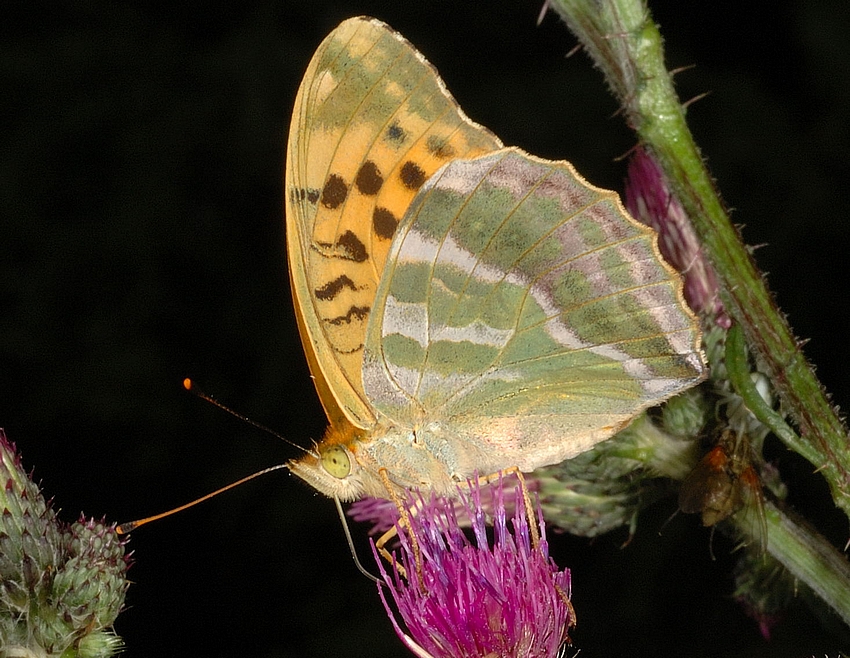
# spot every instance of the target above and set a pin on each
(336, 462)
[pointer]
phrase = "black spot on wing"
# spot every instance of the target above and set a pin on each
(311, 195)
(347, 247)
(354, 313)
(332, 288)
(334, 192)
(369, 179)
(384, 223)
(412, 175)
(439, 147)
(352, 247)
(339, 350)
(395, 133)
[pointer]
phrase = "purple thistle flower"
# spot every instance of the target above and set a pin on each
(380, 512)
(472, 600)
(383, 513)
(650, 201)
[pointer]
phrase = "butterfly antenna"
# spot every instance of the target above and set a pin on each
(190, 386)
(350, 541)
(124, 528)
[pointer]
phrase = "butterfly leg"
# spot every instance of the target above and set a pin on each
(526, 498)
(382, 542)
(532, 522)
(404, 521)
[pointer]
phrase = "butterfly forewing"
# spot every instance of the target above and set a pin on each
(372, 122)
(527, 311)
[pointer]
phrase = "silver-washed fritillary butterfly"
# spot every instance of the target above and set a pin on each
(464, 307)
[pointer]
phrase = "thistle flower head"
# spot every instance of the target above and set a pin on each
(61, 586)
(477, 598)
(383, 514)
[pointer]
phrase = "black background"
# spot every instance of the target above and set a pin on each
(141, 241)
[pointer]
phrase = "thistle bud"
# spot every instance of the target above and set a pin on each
(606, 487)
(89, 588)
(61, 587)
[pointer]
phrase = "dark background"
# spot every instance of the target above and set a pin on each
(141, 241)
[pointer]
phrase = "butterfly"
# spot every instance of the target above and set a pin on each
(464, 307)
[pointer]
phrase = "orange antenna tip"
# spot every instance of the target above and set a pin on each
(190, 386)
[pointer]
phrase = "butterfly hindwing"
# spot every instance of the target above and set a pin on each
(525, 310)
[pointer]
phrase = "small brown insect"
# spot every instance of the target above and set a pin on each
(724, 483)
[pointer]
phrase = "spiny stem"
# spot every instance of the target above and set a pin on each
(810, 558)
(626, 45)
(738, 371)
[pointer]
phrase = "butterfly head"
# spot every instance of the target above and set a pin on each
(337, 469)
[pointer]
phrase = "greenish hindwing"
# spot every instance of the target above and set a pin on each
(516, 290)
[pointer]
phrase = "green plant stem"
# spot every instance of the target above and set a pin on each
(810, 558)
(626, 45)
(738, 371)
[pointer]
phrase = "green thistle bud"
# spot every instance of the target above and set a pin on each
(30, 541)
(61, 587)
(685, 415)
(90, 586)
(605, 488)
